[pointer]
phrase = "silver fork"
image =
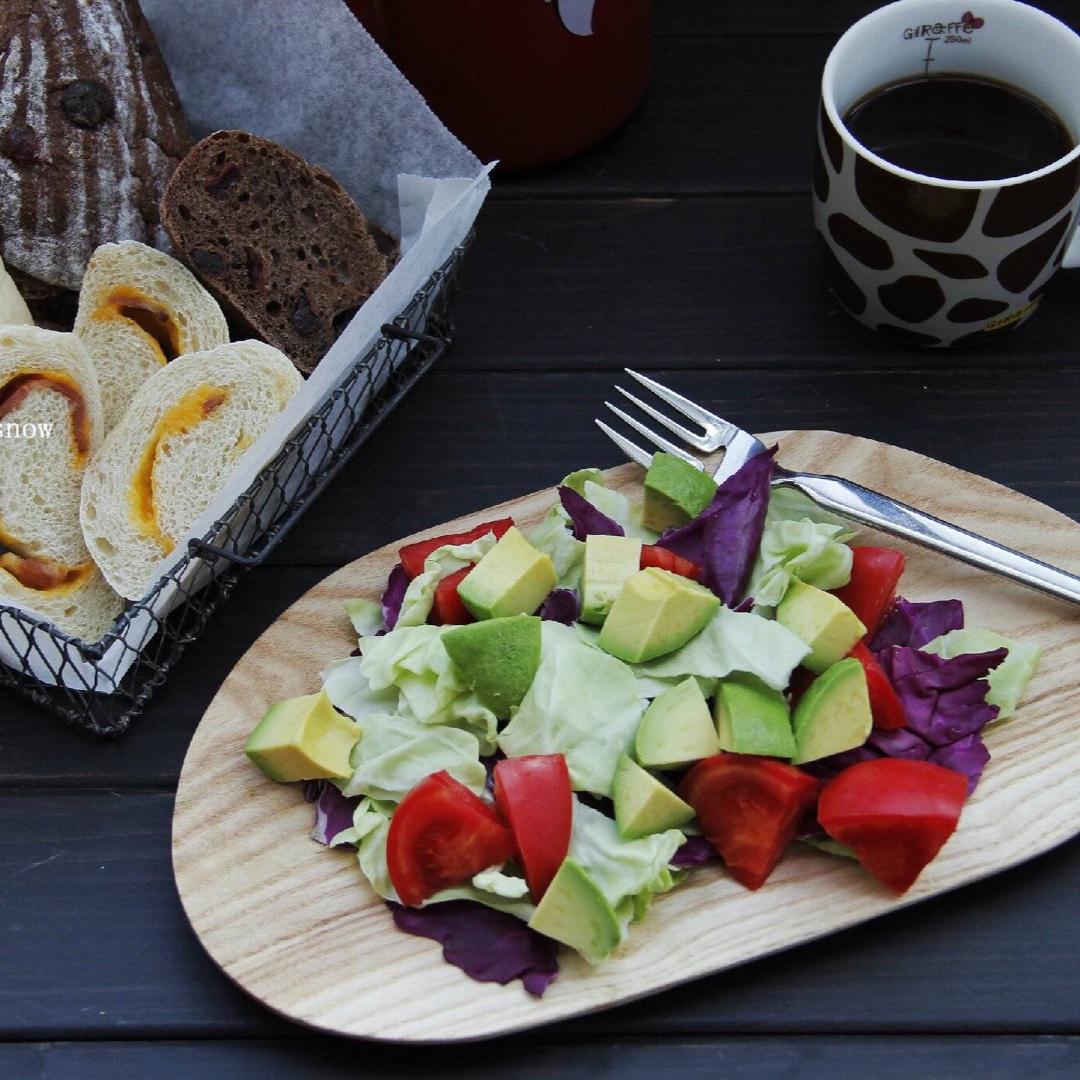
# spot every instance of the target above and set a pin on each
(843, 497)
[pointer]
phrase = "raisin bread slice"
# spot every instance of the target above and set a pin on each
(278, 241)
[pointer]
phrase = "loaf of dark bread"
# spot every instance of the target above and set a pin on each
(91, 128)
(278, 241)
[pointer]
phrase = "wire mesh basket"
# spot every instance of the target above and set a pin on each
(102, 687)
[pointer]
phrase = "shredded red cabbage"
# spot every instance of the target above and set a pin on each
(561, 605)
(396, 584)
(724, 538)
(945, 702)
(585, 518)
(944, 699)
(967, 755)
(488, 945)
(695, 851)
(333, 811)
(912, 625)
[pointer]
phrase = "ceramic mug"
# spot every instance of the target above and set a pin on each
(936, 261)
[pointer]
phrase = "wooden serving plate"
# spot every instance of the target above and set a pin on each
(298, 928)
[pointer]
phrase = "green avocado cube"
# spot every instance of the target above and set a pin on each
(834, 713)
(752, 718)
(303, 738)
(675, 492)
(498, 658)
(822, 620)
(575, 911)
(511, 579)
(607, 563)
(644, 805)
(655, 612)
(677, 728)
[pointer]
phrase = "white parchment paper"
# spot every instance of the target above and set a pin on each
(305, 74)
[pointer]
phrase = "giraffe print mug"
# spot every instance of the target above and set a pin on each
(929, 259)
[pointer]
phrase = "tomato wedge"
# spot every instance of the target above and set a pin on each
(895, 813)
(442, 834)
(447, 608)
(534, 794)
(871, 591)
(651, 555)
(885, 705)
(750, 809)
(412, 556)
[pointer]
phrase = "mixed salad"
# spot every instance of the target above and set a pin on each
(533, 738)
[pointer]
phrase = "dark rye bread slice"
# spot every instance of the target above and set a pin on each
(91, 128)
(278, 241)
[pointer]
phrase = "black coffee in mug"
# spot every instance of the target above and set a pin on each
(959, 127)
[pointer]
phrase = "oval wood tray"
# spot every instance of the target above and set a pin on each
(298, 928)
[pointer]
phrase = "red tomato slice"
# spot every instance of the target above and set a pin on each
(894, 813)
(534, 794)
(442, 834)
(871, 591)
(651, 555)
(412, 556)
(749, 808)
(885, 705)
(446, 607)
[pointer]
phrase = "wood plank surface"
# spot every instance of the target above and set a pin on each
(809, 1057)
(682, 245)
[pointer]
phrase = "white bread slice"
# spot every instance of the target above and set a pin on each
(46, 378)
(13, 309)
(182, 434)
(85, 606)
(138, 309)
(50, 425)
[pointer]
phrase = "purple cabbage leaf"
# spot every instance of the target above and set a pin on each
(724, 538)
(488, 945)
(913, 625)
(561, 605)
(585, 519)
(396, 585)
(333, 811)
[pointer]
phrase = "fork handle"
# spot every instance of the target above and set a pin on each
(898, 519)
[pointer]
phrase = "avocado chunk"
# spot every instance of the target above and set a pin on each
(752, 717)
(608, 562)
(822, 620)
(574, 911)
(303, 738)
(512, 578)
(677, 728)
(834, 713)
(655, 612)
(498, 658)
(675, 492)
(644, 805)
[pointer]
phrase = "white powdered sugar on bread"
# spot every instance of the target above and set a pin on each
(174, 448)
(91, 128)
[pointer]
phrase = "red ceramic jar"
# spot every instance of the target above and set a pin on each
(527, 82)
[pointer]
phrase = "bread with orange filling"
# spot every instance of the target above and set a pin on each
(173, 449)
(139, 309)
(50, 425)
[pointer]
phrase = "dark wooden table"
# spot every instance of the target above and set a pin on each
(683, 246)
